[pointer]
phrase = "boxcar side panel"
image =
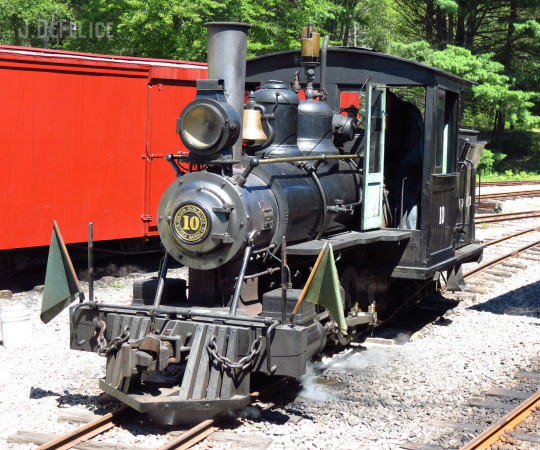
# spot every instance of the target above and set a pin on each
(69, 143)
(77, 134)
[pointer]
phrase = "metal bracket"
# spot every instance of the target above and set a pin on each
(150, 156)
(226, 208)
(225, 237)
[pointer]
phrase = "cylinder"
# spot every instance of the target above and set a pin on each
(227, 49)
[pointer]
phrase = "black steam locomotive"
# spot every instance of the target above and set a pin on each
(340, 147)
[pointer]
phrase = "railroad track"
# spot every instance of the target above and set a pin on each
(501, 404)
(500, 430)
(508, 429)
(504, 257)
(90, 430)
(490, 218)
(185, 440)
(507, 195)
(508, 183)
(104, 423)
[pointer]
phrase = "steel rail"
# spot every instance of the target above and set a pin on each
(488, 218)
(498, 260)
(504, 425)
(90, 430)
(204, 429)
(505, 238)
(191, 437)
(498, 195)
(509, 183)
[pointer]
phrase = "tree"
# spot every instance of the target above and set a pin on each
(367, 23)
(28, 22)
(506, 31)
(495, 92)
(175, 29)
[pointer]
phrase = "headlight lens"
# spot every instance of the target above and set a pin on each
(207, 127)
(202, 127)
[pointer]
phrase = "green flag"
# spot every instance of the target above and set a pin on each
(61, 283)
(324, 288)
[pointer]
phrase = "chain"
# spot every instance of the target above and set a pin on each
(116, 343)
(102, 342)
(244, 363)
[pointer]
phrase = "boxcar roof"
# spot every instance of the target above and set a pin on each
(352, 66)
(54, 55)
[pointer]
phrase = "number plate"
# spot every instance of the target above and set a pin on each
(190, 223)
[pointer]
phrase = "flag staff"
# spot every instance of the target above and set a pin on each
(310, 279)
(68, 260)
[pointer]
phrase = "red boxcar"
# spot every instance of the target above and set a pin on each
(83, 139)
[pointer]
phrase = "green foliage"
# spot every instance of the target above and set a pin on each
(494, 92)
(495, 44)
(175, 28)
(447, 6)
(509, 175)
(27, 22)
(490, 162)
(522, 156)
(368, 23)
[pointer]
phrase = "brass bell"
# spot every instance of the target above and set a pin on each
(252, 126)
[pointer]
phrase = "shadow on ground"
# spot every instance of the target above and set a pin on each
(523, 301)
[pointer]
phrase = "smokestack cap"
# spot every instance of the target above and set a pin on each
(229, 24)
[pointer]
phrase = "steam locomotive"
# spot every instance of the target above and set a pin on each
(338, 147)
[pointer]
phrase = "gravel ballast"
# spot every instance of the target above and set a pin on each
(368, 397)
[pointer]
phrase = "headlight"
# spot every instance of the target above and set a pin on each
(208, 127)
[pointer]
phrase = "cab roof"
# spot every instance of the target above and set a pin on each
(348, 66)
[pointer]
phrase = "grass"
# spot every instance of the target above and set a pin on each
(509, 175)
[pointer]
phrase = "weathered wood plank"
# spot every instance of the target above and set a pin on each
(509, 393)
(458, 426)
(413, 446)
(530, 375)
(77, 416)
(526, 437)
(490, 404)
(255, 441)
(32, 437)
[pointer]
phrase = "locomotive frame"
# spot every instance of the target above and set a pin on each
(318, 178)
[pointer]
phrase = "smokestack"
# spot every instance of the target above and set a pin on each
(227, 48)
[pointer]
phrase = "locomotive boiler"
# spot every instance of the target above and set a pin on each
(289, 155)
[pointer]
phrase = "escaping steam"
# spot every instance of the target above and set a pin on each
(312, 387)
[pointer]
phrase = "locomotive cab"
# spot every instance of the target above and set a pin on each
(414, 177)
